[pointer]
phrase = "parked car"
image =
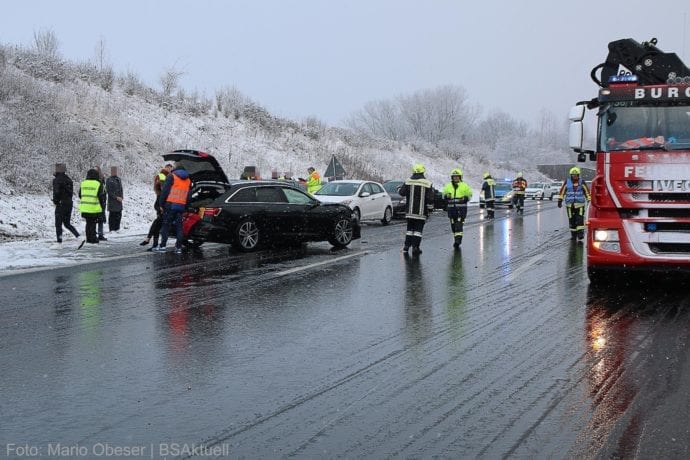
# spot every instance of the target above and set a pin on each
(539, 191)
(504, 195)
(368, 200)
(250, 214)
(398, 201)
(555, 188)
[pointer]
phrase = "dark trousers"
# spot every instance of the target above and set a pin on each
(519, 201)
(172, 218)
(489, 205)
(457, 221)
(63, 214)
(101, 221)
(114, 218)
(155, 228)
(91, 223)
(413, 235)
(576, 221)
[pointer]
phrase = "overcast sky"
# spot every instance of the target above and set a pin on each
(328, 58)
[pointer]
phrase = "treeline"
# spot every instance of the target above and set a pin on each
(83, 113)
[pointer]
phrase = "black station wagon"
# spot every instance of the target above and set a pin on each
(250, 214)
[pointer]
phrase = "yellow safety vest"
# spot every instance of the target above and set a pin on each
(89, 203)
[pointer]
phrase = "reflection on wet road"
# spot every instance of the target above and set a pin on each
(499, 349)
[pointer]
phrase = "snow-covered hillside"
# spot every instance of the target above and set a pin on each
(78, 122)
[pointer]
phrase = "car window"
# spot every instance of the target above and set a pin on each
(244, 195)
(338, 189)
(366, 188)
(376, 188)
(270, 195)
(392, 187)
(297, 197)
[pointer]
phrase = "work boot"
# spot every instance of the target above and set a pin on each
(405, 249)
(416, 250)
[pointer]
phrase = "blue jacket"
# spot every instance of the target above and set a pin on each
(167, 185)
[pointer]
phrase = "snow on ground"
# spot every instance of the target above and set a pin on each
(27, 230)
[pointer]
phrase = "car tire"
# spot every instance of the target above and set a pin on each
(247, 236)
(342, 232)
(551, 197)
(387, 216)
(356, 214)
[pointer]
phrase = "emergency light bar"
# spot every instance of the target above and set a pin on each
(625, 78)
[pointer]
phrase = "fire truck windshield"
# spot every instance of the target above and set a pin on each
(644, 127)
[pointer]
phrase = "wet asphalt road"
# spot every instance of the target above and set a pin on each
(498, 350)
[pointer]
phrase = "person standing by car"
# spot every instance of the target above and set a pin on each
(113, 186)
(519, 186)
(92, 203)
(576, 194)
(102, 218)
(62, 199)
(155, 229)
(314, 181)
(175, 195)
(419, 194)
(457, 194)
(489, 190)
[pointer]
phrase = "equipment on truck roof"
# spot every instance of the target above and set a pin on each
(651, 65)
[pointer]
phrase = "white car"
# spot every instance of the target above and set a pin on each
(368, 200)
(535, 191)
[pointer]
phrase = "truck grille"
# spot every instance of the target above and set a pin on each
(670, 248)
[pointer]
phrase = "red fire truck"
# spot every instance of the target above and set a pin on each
(639, 217)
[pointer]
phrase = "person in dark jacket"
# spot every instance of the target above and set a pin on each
(92, 203)
(63, 190)
(419, 195)
(113, 187)
(102, 219)
(175, 195)
(155, 229)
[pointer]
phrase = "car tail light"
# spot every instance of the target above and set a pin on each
(211, 212)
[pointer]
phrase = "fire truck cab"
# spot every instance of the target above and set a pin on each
(639, 216)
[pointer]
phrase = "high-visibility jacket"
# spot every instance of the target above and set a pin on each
(457, 195)
(179, 190)
(314, 182)
(89, 203)
(576, 194)
(419, 194)
(489, 189)
(519, 186)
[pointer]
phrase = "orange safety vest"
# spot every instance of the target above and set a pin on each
(179, 190)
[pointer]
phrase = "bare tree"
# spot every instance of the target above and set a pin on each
(101, 54)
(46, 43)
(170, 80)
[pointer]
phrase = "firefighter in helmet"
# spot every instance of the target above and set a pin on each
(519, 186)
(576, 194)
(457, 194)
(419, 194)
(489, 191)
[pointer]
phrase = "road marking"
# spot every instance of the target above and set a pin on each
(525, 266)
(318, 264)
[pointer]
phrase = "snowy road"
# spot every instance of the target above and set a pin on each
(500, 349)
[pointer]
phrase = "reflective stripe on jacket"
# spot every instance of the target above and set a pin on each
(489, 189)
(89, 203)
(576, 195)
(419, 197)
(179, 190)
(457, 195)
(519, 186)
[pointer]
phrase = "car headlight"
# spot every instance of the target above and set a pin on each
(606, 240)
(346, 202)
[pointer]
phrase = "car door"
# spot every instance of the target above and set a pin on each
(381, 200)
(307, 216)
(368, 204)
